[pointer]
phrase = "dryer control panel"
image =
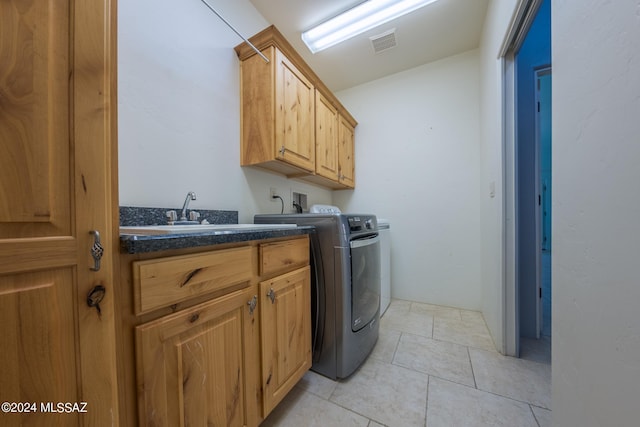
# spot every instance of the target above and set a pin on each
(359, 223)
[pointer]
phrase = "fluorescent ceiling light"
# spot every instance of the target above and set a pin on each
(356, 21)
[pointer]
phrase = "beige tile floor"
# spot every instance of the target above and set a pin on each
(433, 366)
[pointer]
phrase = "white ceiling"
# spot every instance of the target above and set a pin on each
(436, 31)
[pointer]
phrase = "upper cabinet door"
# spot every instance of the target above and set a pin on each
(295, 110)
(326, 138)
(346, 164)
(57, 183)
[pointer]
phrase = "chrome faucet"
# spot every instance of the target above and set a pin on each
(190, 196)
(194, 217)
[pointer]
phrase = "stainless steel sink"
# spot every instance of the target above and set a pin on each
(200, 228)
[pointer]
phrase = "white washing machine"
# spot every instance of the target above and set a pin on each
(384, 231)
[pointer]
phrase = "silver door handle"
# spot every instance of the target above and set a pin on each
(97, 250)
(358, 243)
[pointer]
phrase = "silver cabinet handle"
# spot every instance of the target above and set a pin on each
(272, 295)
(97, 250)
(253, 302)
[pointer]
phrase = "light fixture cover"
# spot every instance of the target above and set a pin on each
(357, 20)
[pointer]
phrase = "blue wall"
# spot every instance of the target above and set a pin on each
(535, 53)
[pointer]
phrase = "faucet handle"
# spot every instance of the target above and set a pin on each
(193, 215)
(171, 215)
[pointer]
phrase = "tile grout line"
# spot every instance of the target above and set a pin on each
(355, 412)
(426, 408)
(534, 415)
(395, 350)
(495, 394)
(433, 325)
(473, 374)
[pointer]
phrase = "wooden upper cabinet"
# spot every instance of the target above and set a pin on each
(326, 138)
(335, 133)
(295, 107)
(346, 164)
(289, 118)
(58, 181)
(277, 120)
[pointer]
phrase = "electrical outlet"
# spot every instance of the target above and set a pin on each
(272, 194)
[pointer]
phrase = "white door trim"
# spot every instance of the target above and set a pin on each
(523, 16)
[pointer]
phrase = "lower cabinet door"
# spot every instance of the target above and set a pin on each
(285, 313)
(196, 367)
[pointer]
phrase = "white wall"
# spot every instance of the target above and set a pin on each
(496, 23)
(596, 212)
(418, 164)
(179, 111)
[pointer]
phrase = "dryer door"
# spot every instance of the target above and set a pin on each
(365, 280)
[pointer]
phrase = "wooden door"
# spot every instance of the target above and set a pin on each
(295, 111)
(195, 367)
(286, 334)
(58, 181)
(346, 164)
(326, 138)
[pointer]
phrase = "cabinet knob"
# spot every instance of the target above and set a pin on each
(272, 295)
(253, 302)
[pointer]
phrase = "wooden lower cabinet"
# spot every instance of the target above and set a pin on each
(228, 355)
(194, 366)
(286, 334)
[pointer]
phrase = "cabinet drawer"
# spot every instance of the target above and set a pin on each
(165, 281)
(283, 256)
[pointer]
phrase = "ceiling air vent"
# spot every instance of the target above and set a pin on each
(384, 41)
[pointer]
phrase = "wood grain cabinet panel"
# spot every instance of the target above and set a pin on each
(277, 117)
(290, 120)
(286, 334)
(326, 138)
(282, 256)
(335, 137)
(162, 282)
(193, 366)
(225, 359)
(295, 107)
(346, 163)
(58, 171)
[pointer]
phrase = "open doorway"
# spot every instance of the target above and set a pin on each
(544, 211)
(528, 182)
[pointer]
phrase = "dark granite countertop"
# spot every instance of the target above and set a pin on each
(137, 243)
